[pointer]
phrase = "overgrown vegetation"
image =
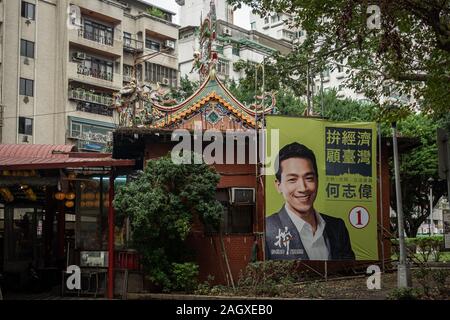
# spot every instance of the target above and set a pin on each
(161, 204)
(156, 12)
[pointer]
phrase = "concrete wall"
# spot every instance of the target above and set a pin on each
(53, 68)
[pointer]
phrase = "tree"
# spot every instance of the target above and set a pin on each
(185, 90)
(416, 168)
(161, 204)
(408, 55)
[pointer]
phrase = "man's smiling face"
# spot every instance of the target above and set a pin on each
(298, 185)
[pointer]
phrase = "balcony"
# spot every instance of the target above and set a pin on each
(88, 96)
(100, 44)
(133, 45)
(78, 72)
(94, 73)
(106, 40)
(94, 108)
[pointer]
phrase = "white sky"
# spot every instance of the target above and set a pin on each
(241, 16)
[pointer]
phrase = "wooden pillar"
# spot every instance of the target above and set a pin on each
(61, 229)
(48, 226)
(111, 237)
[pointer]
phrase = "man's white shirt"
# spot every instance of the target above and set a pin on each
(314, 244)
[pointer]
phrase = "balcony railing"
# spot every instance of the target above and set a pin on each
(102, 39)
(133, 45)
(94, 108)
(87, 96)
(94, 73)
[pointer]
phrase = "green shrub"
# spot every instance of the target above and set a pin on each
(404, 294)
(185, 276)
(423, 276)
(440, 276)
(155, 12)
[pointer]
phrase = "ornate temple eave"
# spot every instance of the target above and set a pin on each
(211, 89)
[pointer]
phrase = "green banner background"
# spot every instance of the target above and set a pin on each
(312, 133)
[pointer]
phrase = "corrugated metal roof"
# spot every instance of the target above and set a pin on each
(35, 150)
(29, 156)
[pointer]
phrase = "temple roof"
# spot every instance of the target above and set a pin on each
(212, 89)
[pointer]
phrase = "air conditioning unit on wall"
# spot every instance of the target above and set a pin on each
(169, 44)
(242, 195)
(165, 81)
(24, 138)
(79, 56)
(226, 31)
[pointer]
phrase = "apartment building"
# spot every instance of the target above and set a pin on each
(233, 42)
(62, 60)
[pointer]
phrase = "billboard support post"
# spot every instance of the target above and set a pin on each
(403, 271)
(380, 203)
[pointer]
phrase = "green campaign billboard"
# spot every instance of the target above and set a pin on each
(320, 190)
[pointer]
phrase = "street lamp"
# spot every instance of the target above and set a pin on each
(403, 271)
(430, 197)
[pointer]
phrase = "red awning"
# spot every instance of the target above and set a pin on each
(38, 156)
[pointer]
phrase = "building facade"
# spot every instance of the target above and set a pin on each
(62, 60)
(233, 42)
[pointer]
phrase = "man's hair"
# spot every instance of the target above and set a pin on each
(294, 150)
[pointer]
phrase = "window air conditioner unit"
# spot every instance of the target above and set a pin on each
(242, 195)
(94, 259)
(169, 44)
(80, 56)
(24, 138)
(227, 31)
(165, 81)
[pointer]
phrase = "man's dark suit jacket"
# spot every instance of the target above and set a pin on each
(335, 235)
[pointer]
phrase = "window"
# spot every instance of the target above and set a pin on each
(127, 72)
(90, 137)
(236, 218)
(266, 20)
(25, 126)
(300, 34)
(98, 32)
(26, 48)
(223, 67)
(236, 50)
(253, 25)
(96, 68)
(28, 10)
(127, 39)
(287, 34)
(157, 73)
(153, 45)
(276, 18)
(26, 87)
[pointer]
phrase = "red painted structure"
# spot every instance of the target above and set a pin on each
(50, 165)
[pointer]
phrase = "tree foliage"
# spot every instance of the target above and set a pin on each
(161, 204)
(416, 168)
(408, 55)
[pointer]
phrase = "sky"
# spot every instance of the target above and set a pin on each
(241, 16)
